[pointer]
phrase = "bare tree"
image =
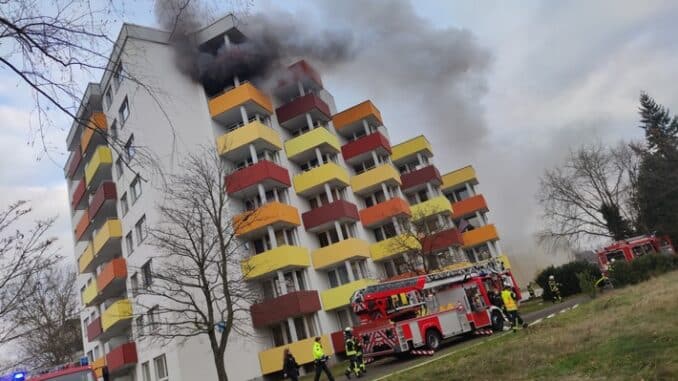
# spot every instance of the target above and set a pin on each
(50, 314)
(198, 286)
(590, 195)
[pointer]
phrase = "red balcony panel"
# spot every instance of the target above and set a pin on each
(79, 194)
(309, 103)
(337, 210)
(94, 329)
(469, 206)
(301, 70)
(442, 240)
(112, 276)
(105, 192)
(421, 176)
(83, 226)
(275, 310)
(122, 357)
(366, 144)
(338, 341)
(262, 171)
(74, 160)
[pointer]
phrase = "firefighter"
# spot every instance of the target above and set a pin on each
(509, 299)
(495, 298)
(352, 353)
(320, 360)
(530, 289)
(555, 291)
(359, 355)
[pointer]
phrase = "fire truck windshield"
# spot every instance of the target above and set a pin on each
(616, 255)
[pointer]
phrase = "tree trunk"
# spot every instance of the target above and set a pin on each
(219, 363)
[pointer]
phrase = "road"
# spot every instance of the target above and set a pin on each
(387, 366)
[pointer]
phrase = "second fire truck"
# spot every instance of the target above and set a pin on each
(631, 248)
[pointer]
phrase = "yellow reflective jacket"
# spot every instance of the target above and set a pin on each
(318, 352)
(349, 346)
(509, 302)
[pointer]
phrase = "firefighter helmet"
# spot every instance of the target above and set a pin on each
(551, 277)
(348, 329)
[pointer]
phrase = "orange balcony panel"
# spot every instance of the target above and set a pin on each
(273, 213)
(82, 226)
(111, 279)
(300, 71)
(121, 358)
(95, 125)
(79, 201)
(480, 235)
(352, 117)
(376, 214)
(103, 201)
(223, 105)
(469, 206)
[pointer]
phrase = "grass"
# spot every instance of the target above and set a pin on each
(627, 334)
(538, 304)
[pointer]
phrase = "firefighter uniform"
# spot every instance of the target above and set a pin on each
(352, 353)
(511, 306)
(359, 356)
(320, 361)
(555, 291)
(530, 289)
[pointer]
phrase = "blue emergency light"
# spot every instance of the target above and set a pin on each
(19, 376)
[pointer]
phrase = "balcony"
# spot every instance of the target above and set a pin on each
(111, 280)
(469, 206)
(121, 358)
(82, 227)
(293, 114)
(339, 252)
(312, 182)
(480, 235)
(341, 296)
(418, 178)
(117, 317)
(103, 202)
(235, 144)
(459, 177)
(299, 71)
(431, 207)
(106, 242)
(244, 181)
(393, 246)
(86, 259)
(350, 120)
(89, 294)
(358, 149)
(78, 200)
(410, 148)
(280, 258)
(73, 164)
(98, 167)
(270, 359)
(441, 240)
(371, 179)
(98, 366)
(384, 211)
(94, 329)
(324, 216)
(293, 304)
(302, 148)
(275, 214)
(224, 108)
(96, 128)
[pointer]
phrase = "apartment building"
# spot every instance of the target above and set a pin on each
(329, 190)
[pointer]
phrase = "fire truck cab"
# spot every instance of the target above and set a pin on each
(404, 315)
(75, 371)
(631, 248)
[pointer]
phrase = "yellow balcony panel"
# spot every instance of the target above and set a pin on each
(100, 161)
(274, 213)
(86, 259)
(90, 293)
(225, 107)
(410, 148)
(282, 257)
(459, 177)
(302, 350)
(393, 246)
(117, 315)
(95, 125)
(372, 179)
(505, 260)
(339, 252)
(107, 240)
(312, 181)
(301, 148)
(98, 366)
(341, 296)
(236, 142)
(480, 235)
(431, 207)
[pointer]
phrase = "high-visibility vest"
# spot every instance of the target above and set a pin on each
(318, 352)
(349, 345)
(509, 302)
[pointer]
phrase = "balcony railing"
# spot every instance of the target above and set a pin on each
(321, 217)
(339, 252)
(317, 137)
(264, 171)
(117, 314)
(350, 119)
(469, 206)
(282, 257)
(223, 107)
(236, 143)
(78, 201)
(383, 211)
(431, 207)
(94, 329)
(393, 246)
(312, 181)
(104, 199)
(365, 145)
(274, 214)
(480, 235)
(98, 166)
(421, 176)
(299, 107)
(293, 304)
(373, 178)
(122, 358)
(459, 177)
(410, 148)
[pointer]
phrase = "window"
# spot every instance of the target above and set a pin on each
(109, 97)
(346, 318)
(117, 75)
(160, 368)
(124, 206)
(135, 189)
(338, 276)
(327, 238)
(129, 149)
(384, 232)
(300, 328)
(461, 194)
(359, 270)
(90, 356)
(119, 167)
(123, 112)
(140, 326)
(147, 273)
(146, 371)
(134, 283)
(153, 319)
(86, 321)
(262, 244)
(114, 129)
(96, 352)
(129, 243)
(140, 228)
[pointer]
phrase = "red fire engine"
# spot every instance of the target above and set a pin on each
(67, 372)
(404, 315)
(634, 247)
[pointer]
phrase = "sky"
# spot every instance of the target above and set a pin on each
(508, 87)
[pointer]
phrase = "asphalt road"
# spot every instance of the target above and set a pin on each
(387, 366)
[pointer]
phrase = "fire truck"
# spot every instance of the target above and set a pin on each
(628, 249)
(76, 371)
(411, 314)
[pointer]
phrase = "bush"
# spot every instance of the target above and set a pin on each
(641, 269)
(587, 283)
(566, 275)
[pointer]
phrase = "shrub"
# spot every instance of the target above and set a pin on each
(566, 275)
(641, 269)
(587, 283)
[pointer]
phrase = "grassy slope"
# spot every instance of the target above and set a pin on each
(628, 334)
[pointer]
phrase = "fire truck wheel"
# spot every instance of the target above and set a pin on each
(497, 321)
(432, 339)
